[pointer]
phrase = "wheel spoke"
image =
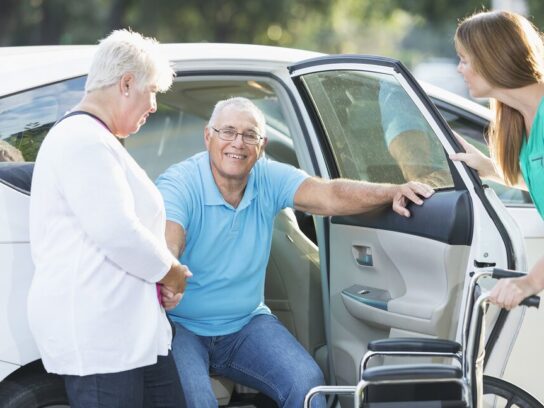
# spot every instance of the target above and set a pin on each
(513, 395)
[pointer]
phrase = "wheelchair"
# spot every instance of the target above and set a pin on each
(461, 384)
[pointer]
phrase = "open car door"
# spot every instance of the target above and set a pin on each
(385, 275)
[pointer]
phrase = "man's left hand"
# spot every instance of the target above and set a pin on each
(410, 191)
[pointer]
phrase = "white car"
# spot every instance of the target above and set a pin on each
(335, 282)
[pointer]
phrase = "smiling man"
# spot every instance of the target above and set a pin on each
(220, 210)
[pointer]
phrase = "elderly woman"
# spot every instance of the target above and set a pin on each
(97, 235)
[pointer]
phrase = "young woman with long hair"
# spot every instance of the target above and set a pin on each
(502, 58)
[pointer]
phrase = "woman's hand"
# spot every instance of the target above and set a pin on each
(476, 159)
(173, 284)
(169, 299)
(509, 293)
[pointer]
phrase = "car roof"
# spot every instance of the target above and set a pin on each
(33, 66)
(456, 100)
(29, 67)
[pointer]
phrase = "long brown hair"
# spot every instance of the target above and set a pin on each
(508, 52)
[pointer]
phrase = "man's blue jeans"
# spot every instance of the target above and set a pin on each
(156, 386)
(263, 355)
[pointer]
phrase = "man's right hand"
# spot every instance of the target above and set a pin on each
(407, 192)
(175, 278)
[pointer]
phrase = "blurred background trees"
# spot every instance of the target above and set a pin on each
(413, 31)
(407, 29)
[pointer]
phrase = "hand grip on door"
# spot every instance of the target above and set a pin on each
(362, 255)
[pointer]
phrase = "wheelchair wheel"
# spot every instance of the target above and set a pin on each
(501, 394)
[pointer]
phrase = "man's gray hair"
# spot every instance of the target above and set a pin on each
(243, 105)
(125, 51)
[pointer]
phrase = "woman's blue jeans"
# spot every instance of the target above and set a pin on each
(263, 355)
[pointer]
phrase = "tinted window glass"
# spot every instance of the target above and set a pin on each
(375, 130)
(26, 117)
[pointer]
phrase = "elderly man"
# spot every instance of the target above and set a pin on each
(220, 209)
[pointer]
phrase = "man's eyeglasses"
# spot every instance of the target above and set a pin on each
(249, 137)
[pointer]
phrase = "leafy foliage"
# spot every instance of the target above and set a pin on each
(407, 29)
(29, 141)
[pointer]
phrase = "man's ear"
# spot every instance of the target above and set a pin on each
(262, 152)
(207, 137)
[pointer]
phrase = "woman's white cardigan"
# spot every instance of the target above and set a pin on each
(97, 237)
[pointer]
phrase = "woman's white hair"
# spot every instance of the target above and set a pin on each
(243, 105)
(125, 51)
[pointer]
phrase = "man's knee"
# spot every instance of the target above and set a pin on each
(300, 387)
(302, 381)
(312, 378)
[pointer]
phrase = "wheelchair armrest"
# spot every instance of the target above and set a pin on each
(412, 344)
(412, 372)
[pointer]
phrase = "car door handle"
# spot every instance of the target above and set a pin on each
(362, 255)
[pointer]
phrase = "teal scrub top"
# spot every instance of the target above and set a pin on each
(531, 160)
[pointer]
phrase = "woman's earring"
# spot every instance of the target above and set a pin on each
(126, 93)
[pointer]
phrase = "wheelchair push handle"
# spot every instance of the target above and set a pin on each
(498, 273)
(531, 301)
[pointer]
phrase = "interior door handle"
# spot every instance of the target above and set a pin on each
(362, 255)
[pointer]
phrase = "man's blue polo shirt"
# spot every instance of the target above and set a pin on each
(227, 248)
(399, 114)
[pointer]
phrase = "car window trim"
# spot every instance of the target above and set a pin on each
(296, 108)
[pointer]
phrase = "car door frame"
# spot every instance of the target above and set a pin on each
(489, 204)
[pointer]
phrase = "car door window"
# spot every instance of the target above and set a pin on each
(375, 130)
(176, 131)
(26, 117)
(473, 131)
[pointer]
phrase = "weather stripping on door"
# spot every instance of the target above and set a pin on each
(362, 255)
